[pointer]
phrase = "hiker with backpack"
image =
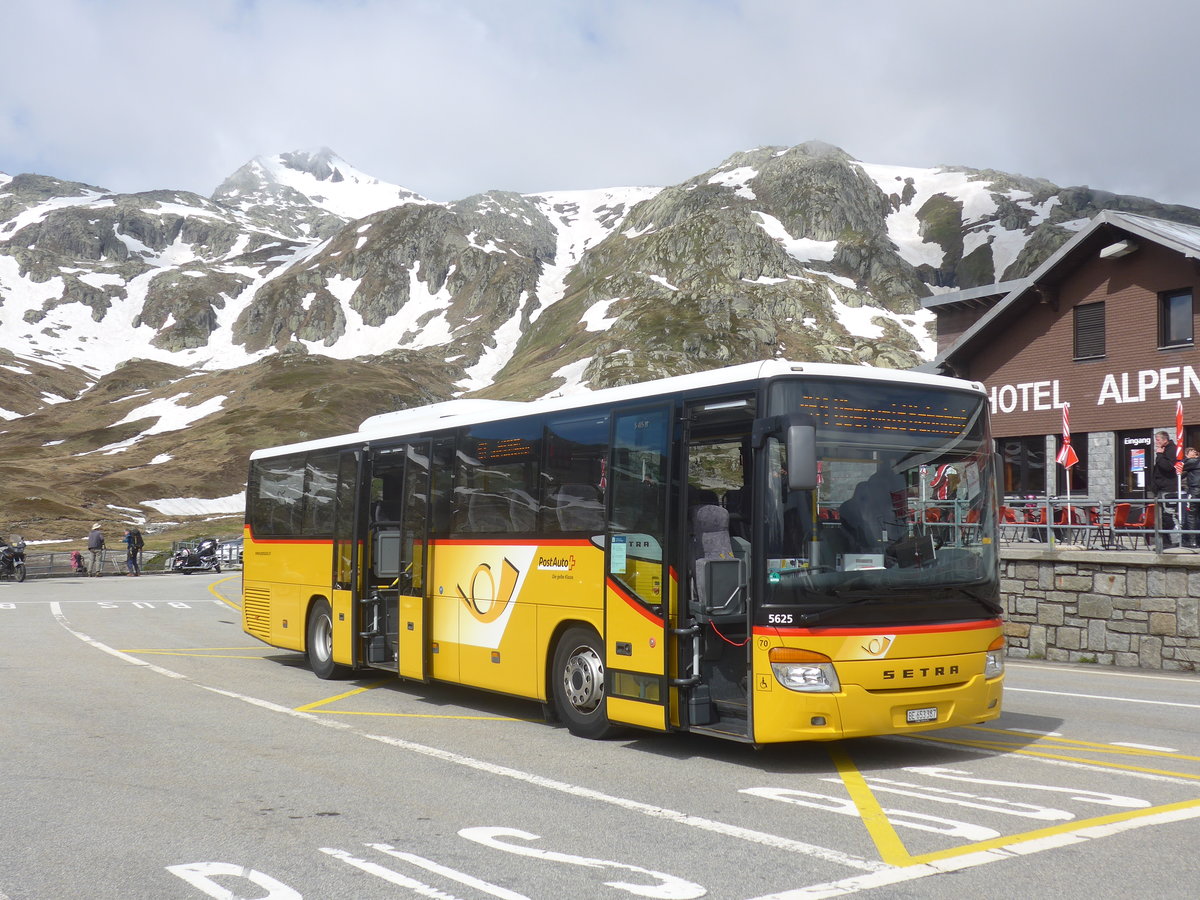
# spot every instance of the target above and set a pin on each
(133, 548)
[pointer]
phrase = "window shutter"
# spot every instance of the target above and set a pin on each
(1089, 331)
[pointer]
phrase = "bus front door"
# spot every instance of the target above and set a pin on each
(637, 583)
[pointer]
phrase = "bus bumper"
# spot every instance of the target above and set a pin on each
(784, 715)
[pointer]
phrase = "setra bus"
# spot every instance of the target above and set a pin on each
(768, 552)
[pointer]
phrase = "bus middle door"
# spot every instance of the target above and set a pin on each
(637, 583)
(398, 532)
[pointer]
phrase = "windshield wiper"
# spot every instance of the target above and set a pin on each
(822, 613)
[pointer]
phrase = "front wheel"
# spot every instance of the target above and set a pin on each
(577, 683)
(20, 571)
(320, 642)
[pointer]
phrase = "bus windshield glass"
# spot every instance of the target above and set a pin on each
(902, 524)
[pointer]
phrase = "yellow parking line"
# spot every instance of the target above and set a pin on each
(338, 712)
(198, 655)
(1092, 745)
(213, 588)
(892, 850)
(316, 707)
(370, 687)
(887, 841)
(1001, 747)
(1011, 841)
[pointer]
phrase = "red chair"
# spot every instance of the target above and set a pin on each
(1033, 519)
(1145, 525)
(1009, 526)
(1120, 522)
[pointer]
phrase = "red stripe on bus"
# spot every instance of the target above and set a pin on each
(620, 591)
(520, 542)
(876, 629)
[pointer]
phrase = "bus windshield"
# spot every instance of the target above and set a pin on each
(902, 524)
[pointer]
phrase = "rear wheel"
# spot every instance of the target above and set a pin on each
(320, 642)
(577, 684)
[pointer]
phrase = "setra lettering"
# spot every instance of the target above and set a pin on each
(923, 672)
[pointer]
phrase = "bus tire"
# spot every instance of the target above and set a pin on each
(577, 684)
(319, 645)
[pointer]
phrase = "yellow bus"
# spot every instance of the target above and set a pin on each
(768, 552)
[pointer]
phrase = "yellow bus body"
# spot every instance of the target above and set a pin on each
(497, 608)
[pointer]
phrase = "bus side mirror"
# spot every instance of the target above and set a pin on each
(802, 457)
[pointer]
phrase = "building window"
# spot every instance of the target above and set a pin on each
(1024, 465)
(1175, 319)
(1079, 471)
(1089, 331)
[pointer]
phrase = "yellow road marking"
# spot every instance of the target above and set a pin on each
(199, 654)
(337, 712)
(887, 841)
(212, 588)
(1001, 747)
(316, 707)
(1011, 841)
(892, 850)
(1101, 748)
(362, 690)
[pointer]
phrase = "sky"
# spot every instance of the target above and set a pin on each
(453, 97)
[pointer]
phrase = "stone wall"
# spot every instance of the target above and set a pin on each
(1115, 608)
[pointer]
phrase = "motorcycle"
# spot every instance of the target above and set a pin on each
(12, 559)
(201, 558)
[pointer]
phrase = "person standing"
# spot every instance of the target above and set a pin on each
(1191, 505)
(1164, 481)
(96, 548)
(133, 548)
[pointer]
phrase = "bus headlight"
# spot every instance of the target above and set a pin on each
(804, 670)
(993, 666)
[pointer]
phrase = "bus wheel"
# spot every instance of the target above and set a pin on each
(320, 642)
(578, 684)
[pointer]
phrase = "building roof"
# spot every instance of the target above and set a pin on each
(1107, 228)
(976, 296)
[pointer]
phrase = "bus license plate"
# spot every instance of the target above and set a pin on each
(926, 714)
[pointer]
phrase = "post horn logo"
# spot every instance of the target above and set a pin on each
(484, 602)
(878, 646)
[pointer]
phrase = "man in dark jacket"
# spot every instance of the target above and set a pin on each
(1165, 481)
(1191, 487)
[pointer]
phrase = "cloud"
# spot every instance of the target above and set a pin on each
(451, 97)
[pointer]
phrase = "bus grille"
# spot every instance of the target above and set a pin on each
(256, 612)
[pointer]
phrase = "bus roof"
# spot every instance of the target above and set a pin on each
(453, 413)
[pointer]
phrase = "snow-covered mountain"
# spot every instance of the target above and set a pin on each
(305, 282)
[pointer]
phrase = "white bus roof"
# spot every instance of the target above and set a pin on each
(452, 413)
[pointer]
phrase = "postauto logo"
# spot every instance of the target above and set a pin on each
(556, 563)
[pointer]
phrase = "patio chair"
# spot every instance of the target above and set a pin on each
(1144, 526)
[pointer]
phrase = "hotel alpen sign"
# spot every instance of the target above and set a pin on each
(1142, 386)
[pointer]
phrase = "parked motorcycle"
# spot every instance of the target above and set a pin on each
(12, 559)
(201, 558)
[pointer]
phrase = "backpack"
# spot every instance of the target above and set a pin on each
(136, 543)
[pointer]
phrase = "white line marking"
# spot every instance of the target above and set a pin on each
(1091, 670)
(1104, 697)
(453, 874)
(657, 812)
(417, 887)
(56, 611)
(1150, 747)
